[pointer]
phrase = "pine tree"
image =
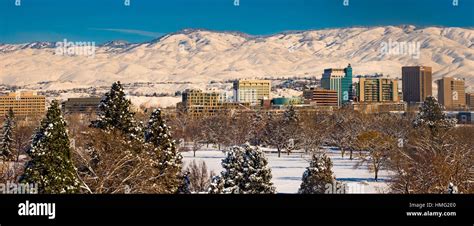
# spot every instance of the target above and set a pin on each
(290, 115)
(50, 166)
(216, 186)
(317, 175)
(246, 171)
(6, 148)
(184, 187)
(115, 112)
(432, 116)
(452, 189)
(158, 134)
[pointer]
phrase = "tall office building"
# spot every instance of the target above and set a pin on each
(252, 91)
(339, 80)
(451, 93)
(347, 85)
(377, 90)
(23, 104)
(417, 83)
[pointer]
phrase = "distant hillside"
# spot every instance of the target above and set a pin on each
(200, 56)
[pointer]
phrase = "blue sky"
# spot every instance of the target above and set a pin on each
(143, 20)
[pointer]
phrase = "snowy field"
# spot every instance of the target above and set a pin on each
(288, 170)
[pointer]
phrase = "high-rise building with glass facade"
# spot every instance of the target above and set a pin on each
(347, 85)
(339, 80)
(416, 83)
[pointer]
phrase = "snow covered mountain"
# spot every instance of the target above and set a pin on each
(201, 56)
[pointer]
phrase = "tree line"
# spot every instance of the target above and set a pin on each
(117, 152)
(426, 151)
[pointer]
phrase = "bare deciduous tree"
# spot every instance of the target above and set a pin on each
(199, 177)
(425, 165)
(107, 162)
(375, 147)
(195, 134)
(275, 133)
(312, 132)
(346, 125)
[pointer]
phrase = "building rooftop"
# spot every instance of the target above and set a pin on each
(22, 93)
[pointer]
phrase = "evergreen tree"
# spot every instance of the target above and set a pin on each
(246, 171)
(50, 166)
(115, 112)
(6, 148)
(317, 175)
(452, 189)
(216, 186)
(158, 134)
(184, 187)
(290, 115)
(432, 116)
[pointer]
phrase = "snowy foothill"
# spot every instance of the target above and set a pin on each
(220, 56)
(287, 170)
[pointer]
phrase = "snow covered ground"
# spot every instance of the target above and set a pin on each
(288, 170)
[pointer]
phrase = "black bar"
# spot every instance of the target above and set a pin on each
(240, 209)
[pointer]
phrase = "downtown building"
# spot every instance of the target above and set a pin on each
(377, 95)
(23, 104)
(467, 117)
(83, 105)
(470, 100)
(252, 91)
(451, 93)
(339, 80)
(197, 103)
(416, 83)
(370, 89)
(321, 97)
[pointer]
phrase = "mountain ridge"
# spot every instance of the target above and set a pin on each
(188, 30)
(199, 55)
